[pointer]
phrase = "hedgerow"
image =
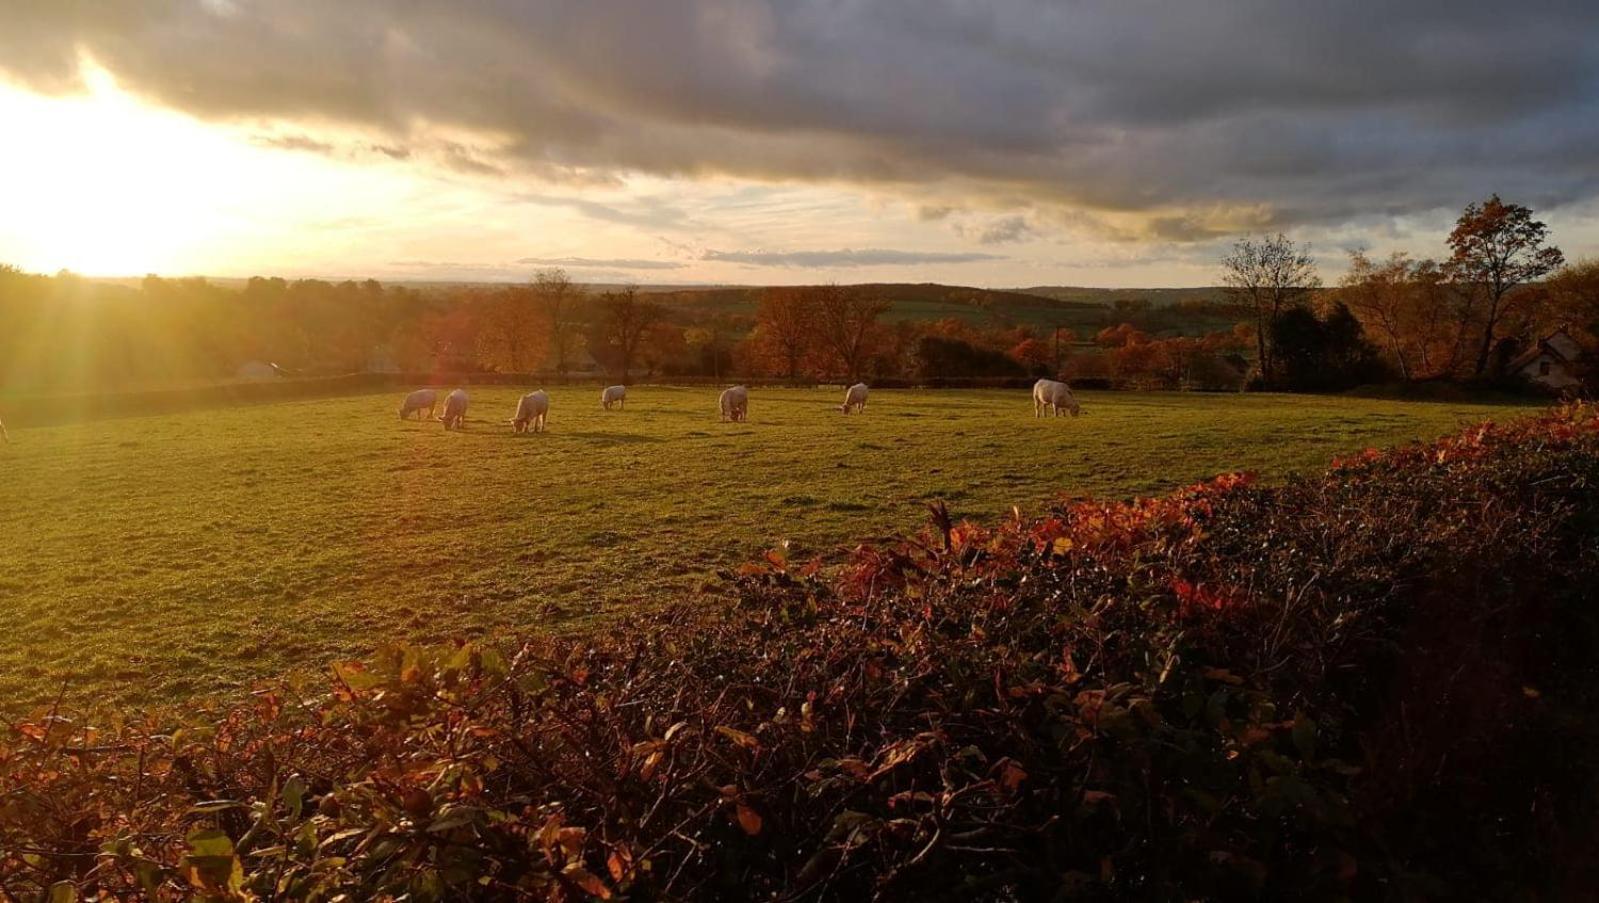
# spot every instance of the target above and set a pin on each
(1376, 682)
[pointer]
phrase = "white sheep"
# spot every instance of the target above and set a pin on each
(531, 411)
(735, 404)
(616, 395)
(854, 398)
(1055, 395)
(416, 401)
(454, 409)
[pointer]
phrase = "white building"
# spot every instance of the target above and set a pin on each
(1556, 362)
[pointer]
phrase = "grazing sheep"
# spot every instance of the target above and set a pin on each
(735, 404)
(454, 409)
(854, 397)
(531, 411)
(616, 395)
(1049, 393)
(416, 401)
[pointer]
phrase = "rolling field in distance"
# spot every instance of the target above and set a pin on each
(149, 559)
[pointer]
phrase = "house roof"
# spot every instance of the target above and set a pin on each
(1542, 348)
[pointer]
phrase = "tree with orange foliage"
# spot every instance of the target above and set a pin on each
(1402, 303)
(662, 344)
(512, 337)
(1121, 335)
(1135, 362)
(785, 331)
(1574, 296)
(1035, 355)
(1497, 247)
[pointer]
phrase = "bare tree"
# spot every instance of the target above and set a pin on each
(1497, 247)
(558, 298)
(1270, 274)
(847, 319)
(626, 321)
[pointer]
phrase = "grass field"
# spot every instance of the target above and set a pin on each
(149, 559)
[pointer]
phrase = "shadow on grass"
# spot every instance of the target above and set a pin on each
(618, 438)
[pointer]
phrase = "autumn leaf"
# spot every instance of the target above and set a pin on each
(651, 762)
(749, 820)
(1097, 797)
(1223, 675)
(1011, 775)
(210, 864)
(587, 880)
(898, 754)
(620, 864)
(743, 739)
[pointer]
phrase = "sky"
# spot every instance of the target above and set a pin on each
(1120, 143)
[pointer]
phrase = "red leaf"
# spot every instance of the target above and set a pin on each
(749, 820)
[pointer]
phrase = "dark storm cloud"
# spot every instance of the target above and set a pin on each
(1205, 117)
(865, 257)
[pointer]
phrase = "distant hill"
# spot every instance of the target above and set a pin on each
(1187, 311)
(1158, 297)
(1083, 310)
(919, 301)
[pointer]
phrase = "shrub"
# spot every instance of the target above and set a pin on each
(1377, 682)
(1318, 354)
(939, 357)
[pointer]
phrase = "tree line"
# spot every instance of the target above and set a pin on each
(66, 332)
(1502, 286)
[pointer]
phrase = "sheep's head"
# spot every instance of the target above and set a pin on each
(1074, 407)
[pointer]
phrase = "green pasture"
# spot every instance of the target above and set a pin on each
(153, 558)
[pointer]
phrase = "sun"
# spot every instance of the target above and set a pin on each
(104, 184)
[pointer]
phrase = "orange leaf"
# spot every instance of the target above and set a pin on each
(620, 864)
(1223, 675)
(651, 762)
(1011, 776)
(1095, 797)
(749, 820)
(587, 880)
(743, 739)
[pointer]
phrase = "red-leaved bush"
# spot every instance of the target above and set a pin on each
(1376, 683)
